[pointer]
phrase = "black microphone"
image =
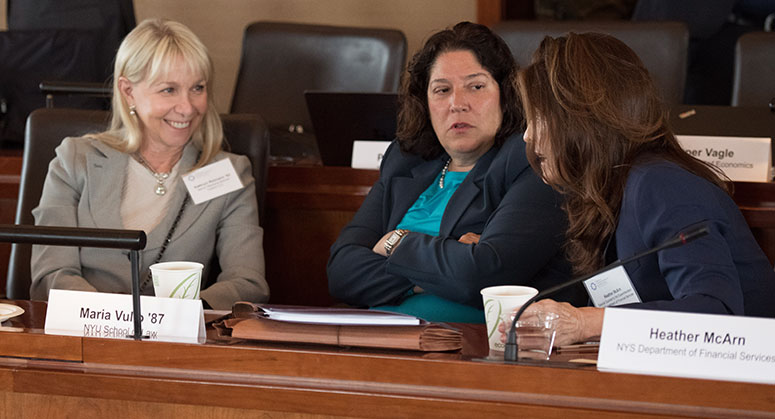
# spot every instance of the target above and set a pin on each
(72, 236)
(134, 240)
(510, 352)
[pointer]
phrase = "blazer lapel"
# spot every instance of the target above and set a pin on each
(105, 174)
(406, 190)
(461, 200)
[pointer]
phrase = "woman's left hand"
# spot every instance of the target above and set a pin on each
(573, 325)
(470, 238)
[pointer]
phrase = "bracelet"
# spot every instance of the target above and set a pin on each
(393, 240)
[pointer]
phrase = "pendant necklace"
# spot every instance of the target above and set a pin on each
(444, 173)
(160, 189)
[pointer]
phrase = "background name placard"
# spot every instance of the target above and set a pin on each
(745, 159)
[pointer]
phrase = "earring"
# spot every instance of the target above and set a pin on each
(132, 110)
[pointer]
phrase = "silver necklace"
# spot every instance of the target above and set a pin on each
(444, 173)
(160, 189)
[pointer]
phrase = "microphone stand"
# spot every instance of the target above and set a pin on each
(134, 240)
(511, 349)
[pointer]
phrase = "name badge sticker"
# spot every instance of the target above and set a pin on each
(212, 181)
(611, 288)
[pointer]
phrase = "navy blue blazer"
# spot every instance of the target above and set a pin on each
(724, 272)
(520, 219)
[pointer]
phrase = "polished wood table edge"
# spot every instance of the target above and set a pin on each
(406, 375)
(18, 342)
(219, 382)
(354, 366)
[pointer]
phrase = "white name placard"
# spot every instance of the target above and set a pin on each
(104, 315)
(747, 159)
(709, 346)
(368, 154)
(212, 181)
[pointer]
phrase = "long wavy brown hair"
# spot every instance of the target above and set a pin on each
(598, 112)
(414, 130)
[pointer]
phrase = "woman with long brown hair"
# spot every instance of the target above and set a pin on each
(597, 132)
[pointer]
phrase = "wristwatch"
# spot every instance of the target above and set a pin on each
(393, 240)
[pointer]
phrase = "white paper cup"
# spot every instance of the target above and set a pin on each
(499, 302)
(177, 279)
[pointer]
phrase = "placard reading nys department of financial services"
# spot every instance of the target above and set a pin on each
(733, 348)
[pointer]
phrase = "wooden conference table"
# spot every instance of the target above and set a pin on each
(62, 376)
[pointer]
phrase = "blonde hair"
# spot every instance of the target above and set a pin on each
(147, 53)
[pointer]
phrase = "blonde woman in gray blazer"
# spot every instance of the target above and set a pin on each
(164, 125)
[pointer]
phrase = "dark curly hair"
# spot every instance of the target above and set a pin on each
(414, 132)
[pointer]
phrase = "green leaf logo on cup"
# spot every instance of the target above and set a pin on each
(492, 309)
(499, 305)
(177, 279)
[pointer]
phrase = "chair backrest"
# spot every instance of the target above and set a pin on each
(29, 57)
(44, 130)
(662, 46)
(246, 134)
(754, 77)
(282, 60)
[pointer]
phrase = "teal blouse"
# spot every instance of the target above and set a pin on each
(425, 217)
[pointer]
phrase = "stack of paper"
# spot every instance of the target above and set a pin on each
(334, 326)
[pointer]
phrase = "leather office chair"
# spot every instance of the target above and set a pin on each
(29, 57)
(662, 46)
(245, 134)
(282, 60)
(754, 76)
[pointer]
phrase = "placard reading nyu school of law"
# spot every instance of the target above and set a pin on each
(709, 346)
(368, 154)
(104, 315)
(745, 159)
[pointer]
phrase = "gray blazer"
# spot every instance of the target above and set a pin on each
(83, 188)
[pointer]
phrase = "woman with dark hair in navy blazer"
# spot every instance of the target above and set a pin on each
(597, 132)
(456, 207)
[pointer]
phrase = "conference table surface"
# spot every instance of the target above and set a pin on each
(65, 376)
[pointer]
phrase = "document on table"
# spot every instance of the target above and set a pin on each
(340, 316)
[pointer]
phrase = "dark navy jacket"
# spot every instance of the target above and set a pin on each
(724, 272)
(520, 220)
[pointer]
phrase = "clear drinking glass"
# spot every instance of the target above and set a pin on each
(535, 334)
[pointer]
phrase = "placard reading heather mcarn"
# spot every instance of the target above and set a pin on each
(733, 348)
